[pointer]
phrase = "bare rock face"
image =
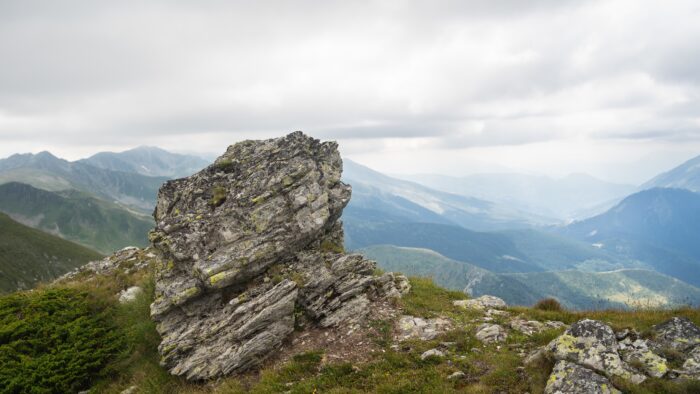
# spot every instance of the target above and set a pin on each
(252, 247)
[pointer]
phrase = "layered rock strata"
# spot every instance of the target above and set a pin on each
(252, 249)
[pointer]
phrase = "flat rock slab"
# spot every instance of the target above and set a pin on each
(482, 303)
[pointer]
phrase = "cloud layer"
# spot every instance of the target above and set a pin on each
(452, 79)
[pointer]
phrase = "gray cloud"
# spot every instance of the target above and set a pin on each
(449, 75)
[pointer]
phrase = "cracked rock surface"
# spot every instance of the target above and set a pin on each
(252, 247)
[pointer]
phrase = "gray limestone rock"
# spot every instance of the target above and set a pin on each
(592, 344)
(432, 353)
(130, 294)
(569, 378)
(638, 353)
(250, 246)
(678, 333)
(490, 333)
(411, 327)
(482, 303)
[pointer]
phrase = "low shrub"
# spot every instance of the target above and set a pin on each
(53, 341)
(548, 304)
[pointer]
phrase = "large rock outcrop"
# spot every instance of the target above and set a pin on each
(251, 248)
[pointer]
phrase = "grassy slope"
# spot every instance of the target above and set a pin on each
(489, 369)
(28, 256)
(76, 216)
(575, 289)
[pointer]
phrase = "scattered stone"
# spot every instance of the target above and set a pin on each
(481, 303)
(394, 285)
(678, 333)
(130, 390)
(432, 353)
(691, 366)
(490, 333)
(410, 327)
(592, 344)
(128, 259)
(535, 357)
(263, 209)
(553, 324)
(570, 378)
(456, 375)
(626, 333)
(130, 294)
(527, 327)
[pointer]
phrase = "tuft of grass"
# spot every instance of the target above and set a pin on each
(225, 164)
(548, 304)
(218, 196)
(426, 299)
(331, 247)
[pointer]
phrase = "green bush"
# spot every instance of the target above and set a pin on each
(53, 341)
(548, 304)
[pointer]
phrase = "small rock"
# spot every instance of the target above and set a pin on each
(431, 353)
(130, 390)
(527, 327)
(490, 333)
(130, 294)
(691, 366)
(456, 375)
(481, 303)
(411, 327)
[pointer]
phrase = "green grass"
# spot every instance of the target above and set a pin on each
(29, 256)
(428, 300)
(133, 359)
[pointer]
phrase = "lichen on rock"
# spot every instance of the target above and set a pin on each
(254, 245)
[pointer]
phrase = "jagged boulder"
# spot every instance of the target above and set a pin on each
(251, 247)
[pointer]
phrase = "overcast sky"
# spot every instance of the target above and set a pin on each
(611, 88)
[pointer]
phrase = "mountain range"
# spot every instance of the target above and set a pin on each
(48, 172)
(148, 161)
(503, 229)
(29, 256)
(76, 216)
(575, 289)
(659, 226)
(684, 176)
